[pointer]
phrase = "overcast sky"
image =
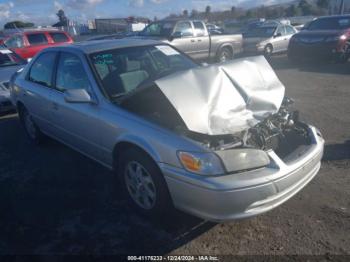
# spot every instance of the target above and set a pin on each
(42, 12)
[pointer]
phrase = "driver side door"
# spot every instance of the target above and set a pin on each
(184, 38)
(75, 124)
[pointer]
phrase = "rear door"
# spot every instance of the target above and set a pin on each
(290, 31)
(279, 39)
(36, 42)
(202, 41)
(75, 124)
(37, 89)
(184, 38)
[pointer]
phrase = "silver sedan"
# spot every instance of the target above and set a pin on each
(175, 133)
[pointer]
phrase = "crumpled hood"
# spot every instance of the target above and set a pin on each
(225, 98)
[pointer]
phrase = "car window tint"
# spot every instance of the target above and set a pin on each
(290, 30)
(59, 37)
(199, 28)
(280, 30)
(184, 28)
(37, 39)
(14, 42)
(71, 73)
(42, 68)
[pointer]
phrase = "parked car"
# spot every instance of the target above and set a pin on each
(28, 43)
(10, 63)
(176, 133)
(326, 37)
(192, 37)
(268, 39)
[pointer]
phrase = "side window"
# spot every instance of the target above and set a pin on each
(281, 30)
(70, 73)
(59, 37)
(199, 28)
(37, 39)
(42, 68)
(185, 28)
(290, 30)
(15, 42)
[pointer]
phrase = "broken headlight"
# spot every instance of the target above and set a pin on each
(201, 163)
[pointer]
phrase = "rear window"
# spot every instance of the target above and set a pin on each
(37, 39)
(59, 37)
(42, 69)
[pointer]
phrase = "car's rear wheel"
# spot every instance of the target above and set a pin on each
(31, 129)
(224, 55)
(144, 184)
(268, 50)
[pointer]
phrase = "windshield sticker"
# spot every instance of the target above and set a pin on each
(5, 51)
(167, 50)
(105, 59)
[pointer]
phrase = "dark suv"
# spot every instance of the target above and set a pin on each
(326, 37)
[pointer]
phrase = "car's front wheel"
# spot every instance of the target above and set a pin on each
(32, 130)
(268, 50)
(144, 184)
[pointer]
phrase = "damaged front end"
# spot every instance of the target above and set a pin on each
(237, 109)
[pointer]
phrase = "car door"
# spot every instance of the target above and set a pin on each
(75, 124)
(37, 90)
(279, 39)
(290, 31)
(202, 41)
(36, 42)
(184, 38)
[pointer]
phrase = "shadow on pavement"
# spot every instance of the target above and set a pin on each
(59, 202)
(334, 152)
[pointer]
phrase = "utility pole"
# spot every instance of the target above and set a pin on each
(342, 5)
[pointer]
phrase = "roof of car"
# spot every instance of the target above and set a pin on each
(89, 47)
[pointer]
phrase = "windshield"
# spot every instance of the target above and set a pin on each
(158, 29)
(122, 71)
(261, 32)
(8, 58)
(331, 23)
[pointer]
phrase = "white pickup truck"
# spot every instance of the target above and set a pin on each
(192, 37)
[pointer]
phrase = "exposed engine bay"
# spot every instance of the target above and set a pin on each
(282, 132)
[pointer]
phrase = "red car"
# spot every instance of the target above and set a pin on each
(27, 44)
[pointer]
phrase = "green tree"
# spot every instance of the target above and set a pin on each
(293, 10)
(207, 12)
(194, 13)
(306, 8)
(324, 4)
(185, 13)
(18, 24)
(62, 18)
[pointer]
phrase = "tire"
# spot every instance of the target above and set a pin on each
(268, 50)
(31, 129)
(144, 184)
(224, 55)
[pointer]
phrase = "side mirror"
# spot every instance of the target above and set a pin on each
(77, 96)
(277, 35)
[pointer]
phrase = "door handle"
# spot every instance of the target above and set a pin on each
(192, 40)
(199, 40)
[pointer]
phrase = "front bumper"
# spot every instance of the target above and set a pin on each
(246, 194)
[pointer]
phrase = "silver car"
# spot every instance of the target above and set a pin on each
(268, 39)
(220, 142)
